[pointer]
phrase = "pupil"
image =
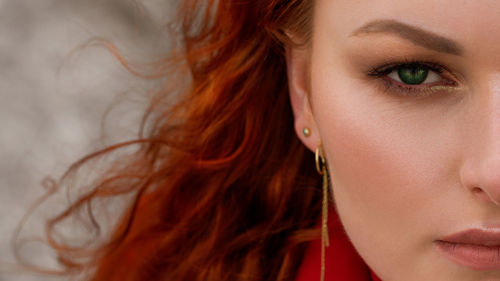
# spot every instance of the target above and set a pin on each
(413, 74)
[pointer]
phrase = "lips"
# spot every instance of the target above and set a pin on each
(474, 248)
(474, 237)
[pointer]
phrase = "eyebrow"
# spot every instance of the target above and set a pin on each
(416, 35)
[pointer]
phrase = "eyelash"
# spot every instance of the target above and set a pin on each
(391, 85)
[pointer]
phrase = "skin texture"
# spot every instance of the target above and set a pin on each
(405, 170)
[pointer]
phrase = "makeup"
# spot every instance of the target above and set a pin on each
(474, 248)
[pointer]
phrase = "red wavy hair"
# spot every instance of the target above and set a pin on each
(222, 187)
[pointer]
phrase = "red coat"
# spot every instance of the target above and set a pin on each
(342, 261)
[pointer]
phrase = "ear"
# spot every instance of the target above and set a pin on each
(298, 71)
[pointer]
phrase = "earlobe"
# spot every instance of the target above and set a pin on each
(298, 70)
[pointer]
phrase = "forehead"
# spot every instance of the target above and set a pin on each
(473, 23)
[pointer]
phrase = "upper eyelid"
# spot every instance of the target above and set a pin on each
(391, 66)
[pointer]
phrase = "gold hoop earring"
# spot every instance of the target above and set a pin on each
(325, 241)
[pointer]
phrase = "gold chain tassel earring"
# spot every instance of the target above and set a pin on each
(325, 241)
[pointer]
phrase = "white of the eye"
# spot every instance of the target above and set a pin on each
(432, 77)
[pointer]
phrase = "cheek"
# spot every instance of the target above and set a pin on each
(386, 159)
(372, 160)
(375, 147)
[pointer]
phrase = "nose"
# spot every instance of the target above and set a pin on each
(480, 171)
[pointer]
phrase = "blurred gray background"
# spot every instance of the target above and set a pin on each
(54, 93)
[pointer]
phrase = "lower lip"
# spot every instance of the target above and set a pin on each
(472, 256)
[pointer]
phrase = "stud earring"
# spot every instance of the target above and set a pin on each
(306, 131)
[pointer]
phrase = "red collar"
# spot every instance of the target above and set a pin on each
(343, 263)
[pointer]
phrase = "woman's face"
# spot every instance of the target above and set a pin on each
(413, 151)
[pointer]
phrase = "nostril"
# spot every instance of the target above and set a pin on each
(476, 190)
(480, 178)
(479, 193)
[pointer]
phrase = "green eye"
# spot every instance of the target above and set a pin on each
(412, 78)
(413, 74)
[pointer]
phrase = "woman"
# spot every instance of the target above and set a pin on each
(399, 100)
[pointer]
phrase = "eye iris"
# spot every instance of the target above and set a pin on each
(413, 74)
